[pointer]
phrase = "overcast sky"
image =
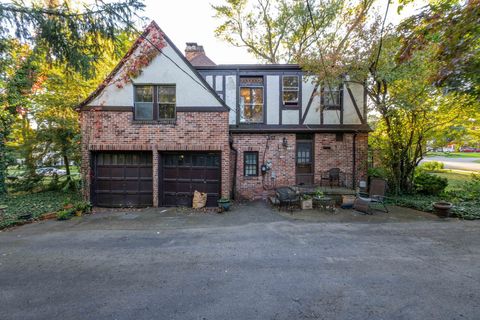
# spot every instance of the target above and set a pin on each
(192, 21)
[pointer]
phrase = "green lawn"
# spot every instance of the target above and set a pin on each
(34, 203)
(455, 154)
(455, 178)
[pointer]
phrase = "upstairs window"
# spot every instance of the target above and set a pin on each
(251, 99)
(290, 90)
(166, 102)
(250, 163)
(331, 98)
(155, 102)
(144, 103)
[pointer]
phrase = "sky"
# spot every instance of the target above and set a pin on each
(192, 21)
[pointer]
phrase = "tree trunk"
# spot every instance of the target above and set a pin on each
(67, 166)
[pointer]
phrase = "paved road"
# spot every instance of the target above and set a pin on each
(250, 264)
(467, 164)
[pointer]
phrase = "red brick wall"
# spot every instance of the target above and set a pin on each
(283, 163)
(194, 131)
(328, 153)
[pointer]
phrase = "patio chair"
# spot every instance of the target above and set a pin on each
(376, 196)
(287, 198)
(332, 176)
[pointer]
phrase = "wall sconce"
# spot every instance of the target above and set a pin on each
(285, 142)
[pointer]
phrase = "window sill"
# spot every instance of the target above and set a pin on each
(250, 177)
(172, 122)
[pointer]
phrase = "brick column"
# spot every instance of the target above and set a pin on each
(155, 159)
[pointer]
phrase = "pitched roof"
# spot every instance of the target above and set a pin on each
(138, 41)
(202, 60)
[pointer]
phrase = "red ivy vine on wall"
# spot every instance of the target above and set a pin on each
(147, 48)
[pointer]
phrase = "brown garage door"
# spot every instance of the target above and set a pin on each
(122, 179)
(181, 173)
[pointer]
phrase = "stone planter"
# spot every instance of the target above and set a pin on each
(442, 208)
(306, 204)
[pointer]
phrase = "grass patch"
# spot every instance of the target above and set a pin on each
(455, 154)
(34, 204)
(456, 179)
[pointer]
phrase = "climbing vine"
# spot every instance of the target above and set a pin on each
(148, 47)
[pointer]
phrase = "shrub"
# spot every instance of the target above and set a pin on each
(377, 172)
(430, 184)
(65, 214)
(431, 166)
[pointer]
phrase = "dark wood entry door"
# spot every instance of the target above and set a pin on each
(304, 162)
(122, 179)
(181, 173)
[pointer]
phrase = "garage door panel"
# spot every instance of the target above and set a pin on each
(184, 172)
(145, 172)
(122, 179)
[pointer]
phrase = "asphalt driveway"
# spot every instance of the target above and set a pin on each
(248, 264)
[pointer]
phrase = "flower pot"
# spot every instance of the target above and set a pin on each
(224, 204)
(306, 204)
(442, 208)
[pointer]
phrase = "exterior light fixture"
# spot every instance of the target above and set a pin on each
(285, 142)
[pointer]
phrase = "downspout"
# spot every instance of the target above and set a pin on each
(354, 155)
(234, 182)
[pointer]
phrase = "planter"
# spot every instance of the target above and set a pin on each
(306, 204)
(224, 204)
(442, 208)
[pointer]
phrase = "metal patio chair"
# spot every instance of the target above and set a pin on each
(287, 198)
(376, 197)
(332, 176)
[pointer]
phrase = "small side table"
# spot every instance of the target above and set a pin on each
(325, 203)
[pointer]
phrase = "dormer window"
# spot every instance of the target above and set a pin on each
(290, 89)
(155, 102)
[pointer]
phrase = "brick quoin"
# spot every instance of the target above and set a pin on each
(193, 131)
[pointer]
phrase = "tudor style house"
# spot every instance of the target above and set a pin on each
(164, 124)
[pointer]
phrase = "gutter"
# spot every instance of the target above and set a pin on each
(234, 181)
(354, 155)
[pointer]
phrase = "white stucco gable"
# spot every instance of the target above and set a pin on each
(167, 67)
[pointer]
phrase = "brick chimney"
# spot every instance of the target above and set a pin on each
(196, 55)
(193, 50)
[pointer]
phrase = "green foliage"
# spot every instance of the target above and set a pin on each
(65, 214)
(377, 172)
(68, 34)
(35, 204)
(429, 184)
(431, 166)
(277, 31)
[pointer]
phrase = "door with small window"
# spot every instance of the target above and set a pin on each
(304, 160)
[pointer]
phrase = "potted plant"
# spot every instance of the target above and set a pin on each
(442, 208)
(306, 202)
(319, 193)
(224, 203)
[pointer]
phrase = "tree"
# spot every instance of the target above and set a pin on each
(73, 38)
(282, 31)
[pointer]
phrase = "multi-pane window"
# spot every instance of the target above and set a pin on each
(166, 102)
(251, 99)
(331, 97)
(155, 102)
(144, 103)
(290, 89)
(250, 163)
